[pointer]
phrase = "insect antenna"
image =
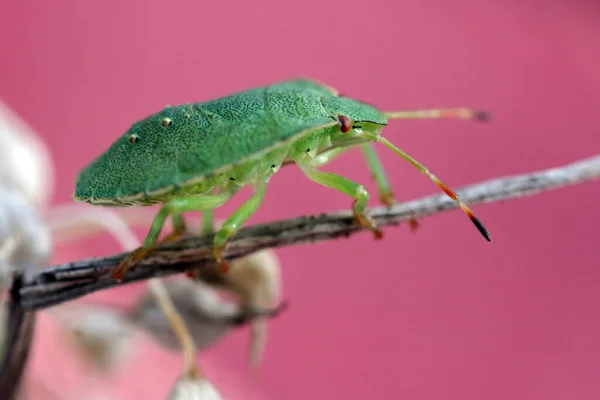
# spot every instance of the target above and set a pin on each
(439, 183)
(440, 113)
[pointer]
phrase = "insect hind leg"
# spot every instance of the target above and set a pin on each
(175, 208)
(207, 228)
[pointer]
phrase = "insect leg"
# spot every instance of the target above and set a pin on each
(449, 192)
(383, 186)
(373, 162)
(328, 156)
(172, 207)
(208, 222)
(179, 229)
(235, 221)
(346, 186)
(439, 113)
(208, 228)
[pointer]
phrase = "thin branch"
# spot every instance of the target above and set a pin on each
(19, 327)
(69, 281)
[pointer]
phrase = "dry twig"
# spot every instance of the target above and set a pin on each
(69, 281)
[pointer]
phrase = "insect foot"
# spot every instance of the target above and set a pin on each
(222, 264)
(413, 224)
(139, 254)
(369, 224)
(173, 236)
(133, 258)
(387, 198)
(191, 274)
(377, 233)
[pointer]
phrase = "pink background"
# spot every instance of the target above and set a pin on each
(439, 314)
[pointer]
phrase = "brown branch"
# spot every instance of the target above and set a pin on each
(69, 281)
(19, 327)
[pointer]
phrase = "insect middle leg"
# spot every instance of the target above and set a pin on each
(175, 208)
(179, 229)
(208, 222)
(207, 228)
(235, 222)
(346, 186)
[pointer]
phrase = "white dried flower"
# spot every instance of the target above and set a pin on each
(256, 280)
(194, 388)
(25, 184)
(73, 221)
(25, 240)
(205, 315)
(70, 222)
(102, 334)
(25, 162)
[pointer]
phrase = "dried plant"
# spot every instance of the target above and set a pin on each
(182, 314)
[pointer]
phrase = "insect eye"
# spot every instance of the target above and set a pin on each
(133, 138)
(345, 123)
(166, 122)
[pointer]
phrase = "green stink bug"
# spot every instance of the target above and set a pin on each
(196, 156)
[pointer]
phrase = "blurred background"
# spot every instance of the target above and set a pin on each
(435, 314)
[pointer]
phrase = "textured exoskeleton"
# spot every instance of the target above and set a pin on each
(195, 157)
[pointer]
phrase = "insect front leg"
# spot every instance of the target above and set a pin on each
(346, 186)
(234, 223)
(175, 208)
(375, 167)
(328, 156)
(377, 171)
(386, 196)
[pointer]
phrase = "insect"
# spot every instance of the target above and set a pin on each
(196, 156)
